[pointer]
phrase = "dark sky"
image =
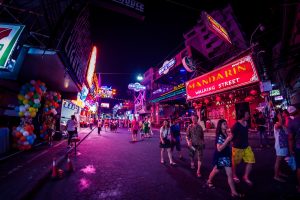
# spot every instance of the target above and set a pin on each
(130, 46)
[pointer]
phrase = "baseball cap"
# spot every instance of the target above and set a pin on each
(291, 109)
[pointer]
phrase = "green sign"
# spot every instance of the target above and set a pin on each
(9, 35)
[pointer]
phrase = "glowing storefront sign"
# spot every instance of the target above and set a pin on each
(278, 98)
(9, 35)
(167, 66)
(104, 105)
(136, 87)
(91, 68)
(274, 93)
(214, 26)
(238, 73)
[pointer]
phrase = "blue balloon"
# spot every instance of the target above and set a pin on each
(17, 108)
(46, 109)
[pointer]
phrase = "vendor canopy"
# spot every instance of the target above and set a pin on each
(236, 74)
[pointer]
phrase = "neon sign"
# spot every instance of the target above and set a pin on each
(104, 105)
(214, 26)
(136, 87)
(92, 65)
(167, 66)
(238, 73)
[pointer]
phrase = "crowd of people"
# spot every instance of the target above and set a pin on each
(232, 147)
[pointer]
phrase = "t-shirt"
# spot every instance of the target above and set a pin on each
(165, 132)
(294, 130)
(195, 134)
(175, 130)
(71, 125)
(240, 136)
(226, 152)
(135, 125)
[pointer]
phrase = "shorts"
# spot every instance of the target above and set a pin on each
(176, 144)
(281, 151)
(246, 155)
(134, 132)
(297, 158)
(198, 152)
(166, 145)
(222, 162)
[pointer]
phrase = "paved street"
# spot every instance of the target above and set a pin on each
(111, 167)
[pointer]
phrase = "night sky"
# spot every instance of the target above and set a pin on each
(128, 46)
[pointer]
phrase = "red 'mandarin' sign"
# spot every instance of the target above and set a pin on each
(238, 73)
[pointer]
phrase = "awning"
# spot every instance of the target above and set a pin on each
(47, 67)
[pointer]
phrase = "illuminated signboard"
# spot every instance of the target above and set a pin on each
(104, 105)
(136, 87)
(167, 66)
(84, 92)
(274, 93)
(278, 98)
(96, 82)
(9, 35)
(106, 92)
(91, 68)
(176, 90)
(215, 27)
(238, 73)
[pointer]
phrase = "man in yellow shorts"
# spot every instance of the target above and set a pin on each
(240, 148)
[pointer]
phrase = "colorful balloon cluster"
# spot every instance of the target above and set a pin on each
(24, 136)
(29, 100)
(52, 101)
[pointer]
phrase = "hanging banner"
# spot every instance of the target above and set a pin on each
(236, 74)
(9, 35)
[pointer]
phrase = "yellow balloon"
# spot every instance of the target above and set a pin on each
(25, 101)
(20, 97)
(21, 114)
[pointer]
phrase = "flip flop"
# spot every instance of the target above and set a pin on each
(199, 175)
(210, 185)
(236, 179)
(238, 195)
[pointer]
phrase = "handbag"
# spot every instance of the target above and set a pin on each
(291, 162)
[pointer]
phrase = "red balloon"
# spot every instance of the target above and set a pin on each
(218, 98)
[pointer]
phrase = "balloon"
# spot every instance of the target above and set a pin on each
(27, 113)
(20, 97)
(27, 106)
(25, 133)
(25, 101)
(36, 101)
(18, 128)
(27, 96)
(21, 114)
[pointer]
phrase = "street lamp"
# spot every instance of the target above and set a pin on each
(260, 27)
(139, 77)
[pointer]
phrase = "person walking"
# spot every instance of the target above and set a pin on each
(99, 125)
(146, 128)
(241, 149)
(222, 157)
(281, 146)
(135, 129)
(71, 128)
(195, 141)
(261, 127)
(165, 142)
(294, 138)
(50, 123)
(176, 137)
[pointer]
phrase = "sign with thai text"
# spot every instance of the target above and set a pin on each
(9, 35)
(215, 27)
(236, 74)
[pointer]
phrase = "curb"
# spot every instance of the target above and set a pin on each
(28, 193)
